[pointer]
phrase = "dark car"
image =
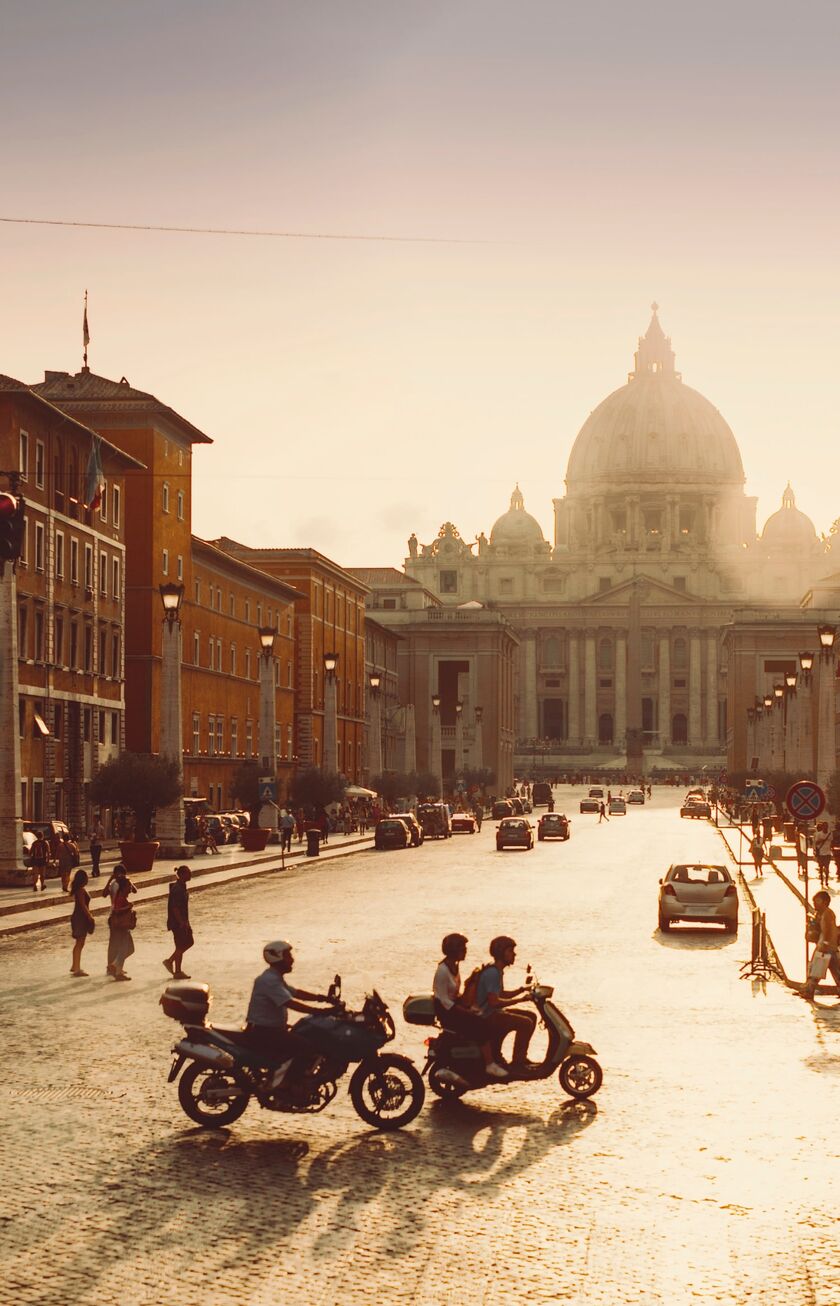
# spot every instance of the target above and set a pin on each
(518, 806)
(501, 809)
(590, 805)
(435, 820)
(695, 809)
(514, 832)
(553, 825)
(541, 793)
(415, 829)
(391, 832)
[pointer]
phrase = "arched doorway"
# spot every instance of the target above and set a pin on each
(679, 729)
(605, 728)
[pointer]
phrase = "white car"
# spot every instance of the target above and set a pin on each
(698, 893)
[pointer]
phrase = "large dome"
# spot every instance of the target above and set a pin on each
(789, 528)
(654, 430)
(516, 526)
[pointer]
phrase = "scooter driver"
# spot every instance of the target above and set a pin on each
(494, 1002)
(272, 998)
(450, 1010)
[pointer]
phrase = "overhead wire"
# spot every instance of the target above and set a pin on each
(240, 231)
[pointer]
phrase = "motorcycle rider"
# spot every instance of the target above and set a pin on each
(450, 1010)
(493, 1001)
(272, 998)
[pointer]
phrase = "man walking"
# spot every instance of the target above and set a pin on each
(602, 814)
(39, 856)
(826, 923)
(178, 921)
(287, 825)
(97, 835)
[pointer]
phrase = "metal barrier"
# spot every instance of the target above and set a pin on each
(759, 964)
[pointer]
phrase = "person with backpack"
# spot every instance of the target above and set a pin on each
(494, 1001)
(39, 856)
(453, 1011)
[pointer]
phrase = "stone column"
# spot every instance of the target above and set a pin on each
(169, 821)
(712, 689)
(620, 719)
(529, 683)
(665, 688)
(11, 825)
(574, 688)
(826, 718)
(695, 732)
(590, 723)
(409, 739)
(435, 759)
(375, 734)
(330, 758)
(478, 740)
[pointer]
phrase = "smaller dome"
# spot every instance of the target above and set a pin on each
(516, 526)
(789, 528)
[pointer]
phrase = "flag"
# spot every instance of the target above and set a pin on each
(95, 476)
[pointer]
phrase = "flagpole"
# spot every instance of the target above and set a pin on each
(85, 335)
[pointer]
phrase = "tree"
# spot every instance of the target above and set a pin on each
(426, 784)
(393, 785)
(141, 782)
(246, 788)
(480, 777)
(313, 789)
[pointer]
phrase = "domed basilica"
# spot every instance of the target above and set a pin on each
(620, 621)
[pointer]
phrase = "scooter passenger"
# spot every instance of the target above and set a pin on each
(272, 998)
(494, 1002)
(450, 1011)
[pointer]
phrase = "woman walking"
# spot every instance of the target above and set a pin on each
(121, 922)
(81, 922)
(757, 850)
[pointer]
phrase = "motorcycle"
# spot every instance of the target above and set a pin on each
(225, 1071)
(455, 1065)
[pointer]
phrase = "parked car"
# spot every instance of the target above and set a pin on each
(618, 807)
(553, 825)
(518, 805)
(695, 809)
(636, 796)
(464, 823)
(46, 828)
(28, 838)
(415, 829)
(501, 809)
(596, 793)
(698, 893)
(695, 793)
(391, 832)
(590, 805)
(514, 832)
(435, 820)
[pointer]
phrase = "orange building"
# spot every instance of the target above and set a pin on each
(330, 618)
(70, 604)
(223, 603)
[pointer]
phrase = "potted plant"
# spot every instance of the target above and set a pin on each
(140, 782)
(246, 790)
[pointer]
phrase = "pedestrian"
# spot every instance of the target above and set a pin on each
(65, 861)
(39, 856)
(300, 824)
(287, 825)
(81, 922)
(767, 829)
(755, 821)
(478, 812)
(97, 835)
(835, 847)
(121, 922)
(323, 824)
(362, 818)
(178, 921)
(824, 924)
(757, 850)
(602, 814)
(822, 852)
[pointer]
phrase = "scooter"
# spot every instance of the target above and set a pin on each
(226, 1071)
(455, 1066)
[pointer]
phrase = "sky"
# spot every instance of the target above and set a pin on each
(542, 172)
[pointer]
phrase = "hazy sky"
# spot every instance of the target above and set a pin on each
(585, 158)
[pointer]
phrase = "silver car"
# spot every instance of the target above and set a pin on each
(698, 893)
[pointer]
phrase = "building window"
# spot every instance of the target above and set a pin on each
(289, 753)
(39, 464)
(115, 655)
(74, 646)
(506, 585)
(605, 655)
(59, 554)
(39, 635)
(248, 664)
(23, 631)
(247, 609)
(103, 575)
(115, 727)
(680, 655)
(679, 584)
(389, 603)
(101, 726)
(218, 600)
(89, 567)
(24, 551)
(219, 666)
(58, 641)
(234, 736)
(249, 739)
(165, 503)
(115, 506)
(74, 561)
(102, 645)
(180, 505)
(103, 503)
(180, 568)
(197, 590)
(39, 546)
(679, 729)
(196, 734)
(196, 649)
(232, 605)
(88, 648)
(233, 659)
(288, 675)
(220, 734)
(24, 456)
(115, 577)
(166, 562)
(449, 582)
(211, 735)
(259, 614)
(604, 584)
(551, 652)
(211, 657)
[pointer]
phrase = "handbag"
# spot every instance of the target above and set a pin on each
(819, 966)
(124, 919)
(90, 925)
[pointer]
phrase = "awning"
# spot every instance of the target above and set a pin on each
(356, 791)
(40, 724)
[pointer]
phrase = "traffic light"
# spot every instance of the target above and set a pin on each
(11, 528)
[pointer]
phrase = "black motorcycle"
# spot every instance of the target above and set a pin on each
(226, 1071)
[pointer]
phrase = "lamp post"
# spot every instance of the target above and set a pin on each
(478, 739)
(375, 728)
(268, 725)
(759, 735)
(826, 747)
(778, 726)
(806, 736)
(169, 821)
(459, 737)
(435, 760)
(791, 723)
(11, 814)
(751, 731)
(330, 758)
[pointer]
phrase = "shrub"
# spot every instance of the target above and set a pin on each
(141, 782)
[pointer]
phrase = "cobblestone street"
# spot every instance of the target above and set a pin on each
(704, 1170)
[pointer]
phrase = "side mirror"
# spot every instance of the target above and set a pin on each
(660, 881)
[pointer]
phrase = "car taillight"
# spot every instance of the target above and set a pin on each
(668, 890)
(731, 891)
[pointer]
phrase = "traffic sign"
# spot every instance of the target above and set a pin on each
(268, 791)
(805, 800)
(769, 791)
(756, 789)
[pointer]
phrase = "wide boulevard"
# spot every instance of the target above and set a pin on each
(707, 1169)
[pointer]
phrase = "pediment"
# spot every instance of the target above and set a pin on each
(651, 593)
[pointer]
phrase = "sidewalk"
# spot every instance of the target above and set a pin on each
(22, 909)
(779, 893)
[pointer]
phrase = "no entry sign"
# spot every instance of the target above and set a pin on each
(805, 800)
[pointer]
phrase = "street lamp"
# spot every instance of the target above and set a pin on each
(330, 713)
(826, 710)
(436, 760)
(267, 636)
(806, 662)
(459, 736)
(375, 730)
(268, 721)
(169, 821)
(478, 739)
(768, 702)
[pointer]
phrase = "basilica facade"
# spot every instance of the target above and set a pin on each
(620, 619)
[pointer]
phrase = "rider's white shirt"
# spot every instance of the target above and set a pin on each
(446, 985)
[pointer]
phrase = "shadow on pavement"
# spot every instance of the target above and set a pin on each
(686, 936)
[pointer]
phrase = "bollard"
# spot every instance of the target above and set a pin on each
(313, 842)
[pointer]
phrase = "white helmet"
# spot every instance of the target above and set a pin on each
(276, 951)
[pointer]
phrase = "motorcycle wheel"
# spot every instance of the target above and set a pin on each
(388, 1092)
(447, 1092)
(193, 1088)
(580, 1076)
